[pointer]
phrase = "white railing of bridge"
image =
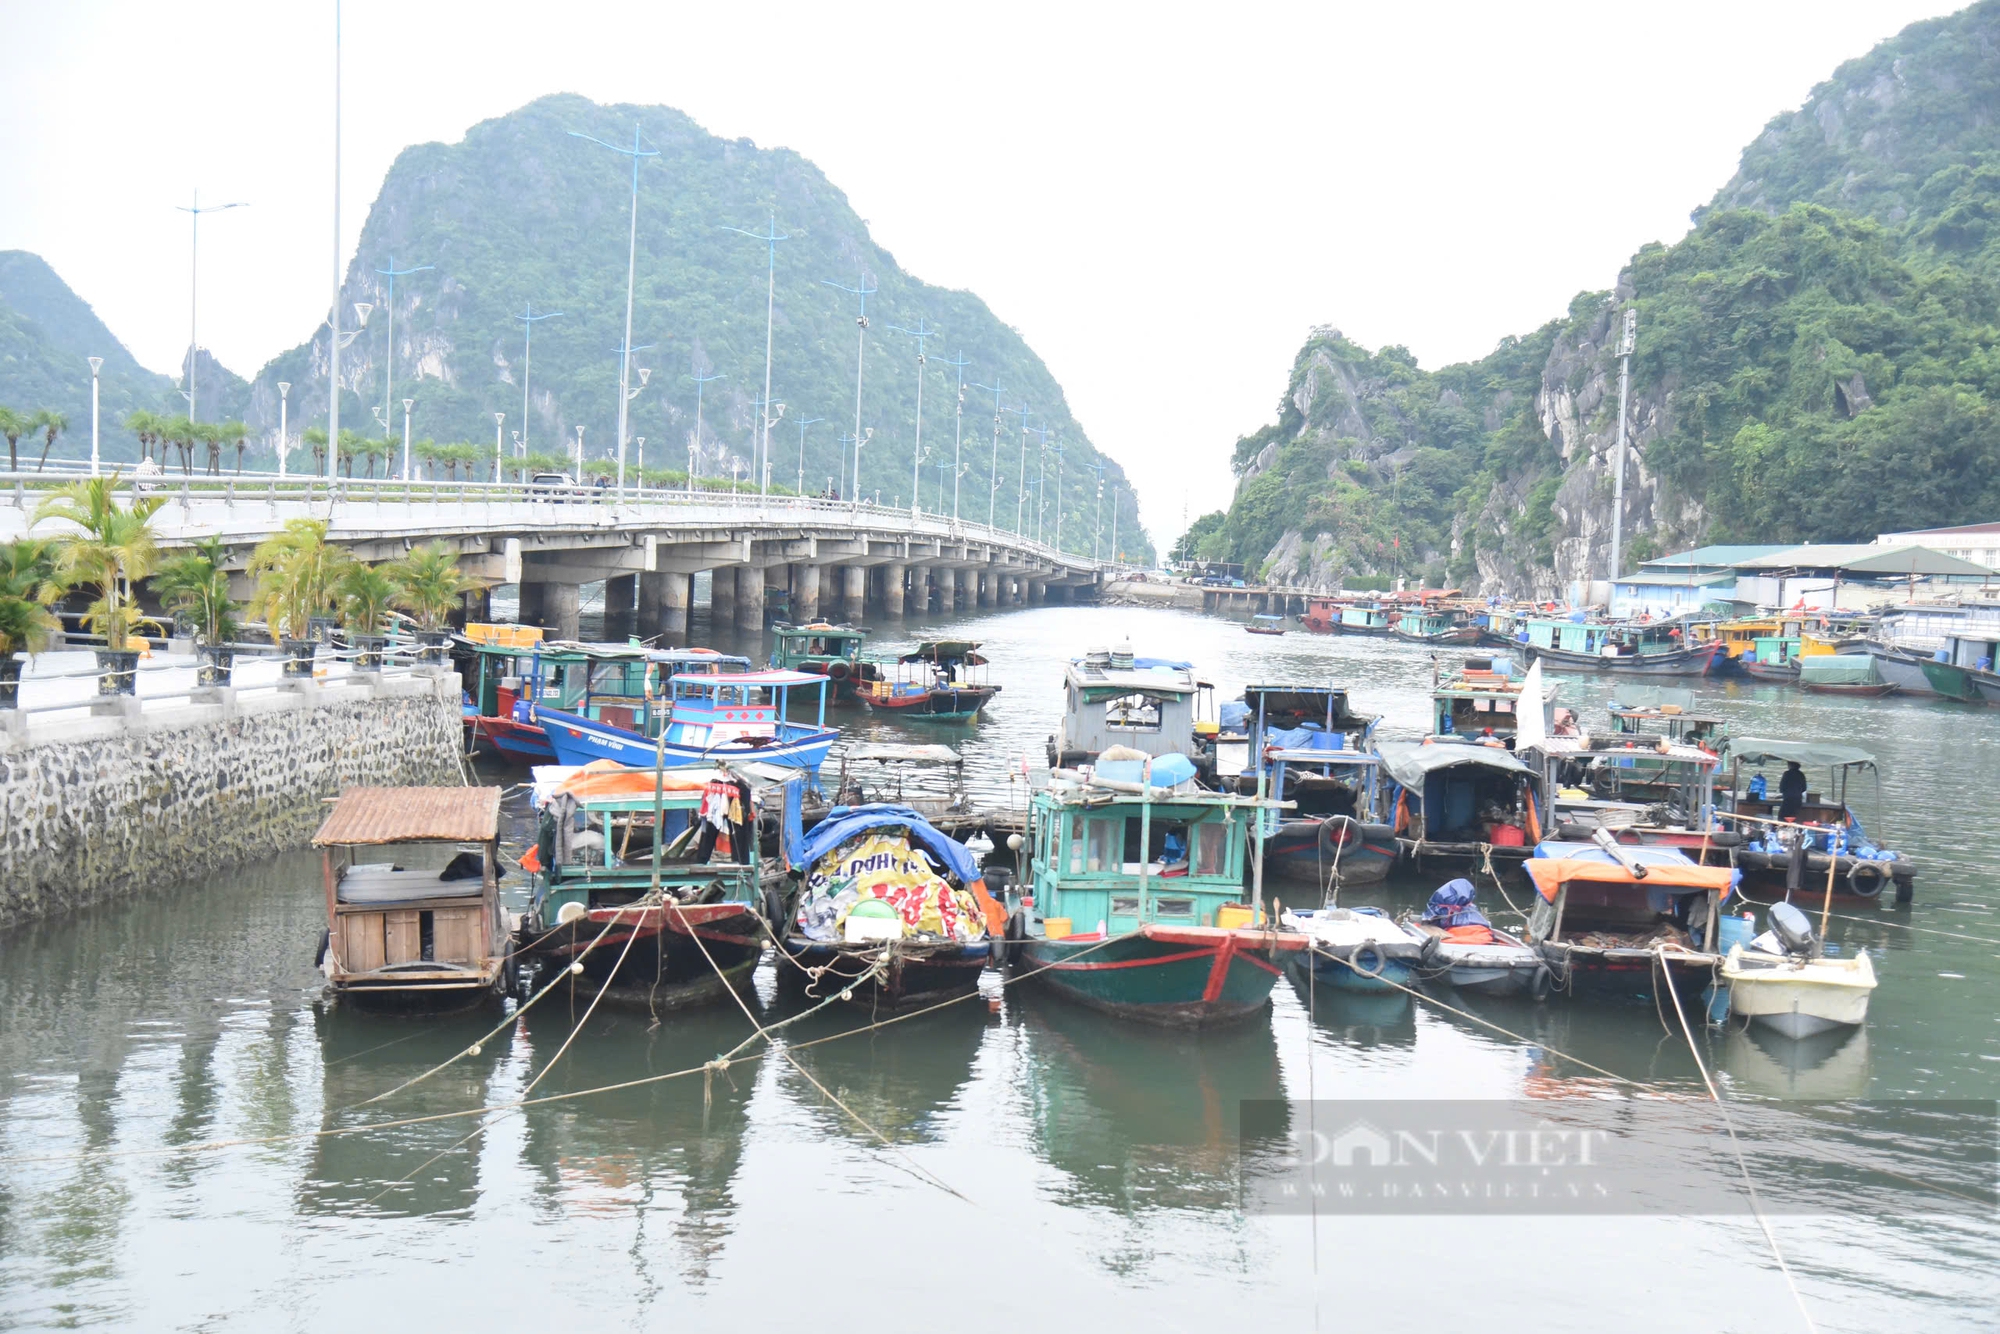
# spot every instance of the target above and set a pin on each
(244, 505)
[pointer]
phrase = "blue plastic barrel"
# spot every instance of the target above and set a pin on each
(1730, 929)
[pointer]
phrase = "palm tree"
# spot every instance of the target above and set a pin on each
(197, 586)
(112, 548)
(178, 431)
(295, 571)
(14, 425)
(240, 433)
(52, 424)
(27, 572)
(315, 440)
(145, 425)
(425, 451)
(366, 594)
(429, 583)
(210, 434)
(351, 443)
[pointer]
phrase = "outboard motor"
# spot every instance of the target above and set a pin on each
(1794, 931)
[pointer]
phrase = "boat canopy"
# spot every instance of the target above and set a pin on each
(706, 656)
(1323, 706)
(844, 822)
(1556, 864)
(372, 815)
(902, 754)
(1630, 696)
(1410, 762)
(774, 677)
(1762, 750)
(1839, 669)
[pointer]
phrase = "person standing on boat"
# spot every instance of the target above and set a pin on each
(1791, 791)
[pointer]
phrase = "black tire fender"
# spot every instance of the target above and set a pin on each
(1865, 879)
(1541, 983)
(1367, 961)
(325, 942)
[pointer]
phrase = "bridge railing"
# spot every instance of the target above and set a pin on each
(212, 502)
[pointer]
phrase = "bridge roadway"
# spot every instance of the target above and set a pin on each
(835, 558)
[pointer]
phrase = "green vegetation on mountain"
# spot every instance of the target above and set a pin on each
(521, 212)
(1819, 359)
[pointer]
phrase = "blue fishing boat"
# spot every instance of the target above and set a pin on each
(707, 718)
(1308, 746)
(1355, 949)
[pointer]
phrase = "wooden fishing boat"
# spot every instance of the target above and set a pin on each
(939, 681)
(1458, 801)
(1261, 624)
(1322, 615)
(832, 651)
(1771, 658)
(1134, 899)
(888, 911)
(411, 938)
(1355, 949)
(1370, 618)
(708, 718)
(1843, 674)
(1432, 625)
(1786, 981)
(1902, 667)
(1472, 954)
(1641, 710)
(1962, 669)
(1482, 697)
(1629, 648)
(1113, 698)
(1782, 855)
(1306, 745)
(1610, 919)
(656, 901)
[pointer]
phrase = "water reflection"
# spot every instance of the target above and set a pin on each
(900, 1079)
(1356, 1018)
(1122, 1136)
(1824, 1066)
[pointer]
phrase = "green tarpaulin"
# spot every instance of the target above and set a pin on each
(1408, 761)
(1825, 754)
(1838, 669)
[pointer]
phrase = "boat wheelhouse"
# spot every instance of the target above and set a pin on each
(1454, 800)
(705, 718)
(1307, 745)
(398, 936)
(1366, 618)
(612, 683)
(1784, 854)
(656, 899)
(1644, 649)
(1322, 614)
(1639, 710)
(1436, 625)
(1112, 698)
(1133, 903)
(1614, 920)
(1483, 696)
(832, 651)
(1771, 658)
(938, 681)
(1645, 789)
(889, 911)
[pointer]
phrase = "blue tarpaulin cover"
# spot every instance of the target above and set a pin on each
(1310, 737)
(843, 823)
(1234, 715)
(1451, 905)
(1168, 770)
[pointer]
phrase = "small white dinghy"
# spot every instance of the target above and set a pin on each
(1783, 981)
(1476, 955)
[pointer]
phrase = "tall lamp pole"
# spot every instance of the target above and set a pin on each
(920, 333)
(770, 237)
(1097, 528)
(195, 211)
(803, 423)
(499, 467)
(389, 361)
(860, 352)
(284, 438)
(769, 414)
(699, 382)
(958, 363)
(409, 403)
(333, 318)
(631, 271)
(96, 363)
(993, 464)
(1117, 498)
(1041, 477)
(1061, 453)
(529, 320)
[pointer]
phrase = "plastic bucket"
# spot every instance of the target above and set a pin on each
(1055, 928)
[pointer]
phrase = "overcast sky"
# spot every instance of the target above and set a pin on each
(1163, 200)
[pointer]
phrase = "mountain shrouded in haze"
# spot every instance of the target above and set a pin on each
(1817, 360)
(521, 211)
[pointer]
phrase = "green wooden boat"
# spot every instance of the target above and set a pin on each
(1130, 894)
(832, 651)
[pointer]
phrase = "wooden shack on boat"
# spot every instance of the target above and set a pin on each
(434, 938)
(1456, 800)
(1112, 698)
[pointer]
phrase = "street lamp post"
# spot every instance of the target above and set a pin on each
(993, 465)
(408, 403)
(645, 374)
(860, 352)
(699, 382)
(770, 237)
(803, 423)
(577, 477)
(958, 363)
(631, 271)
(529, 320)
(333, 316)
(769, 414)
(1097, 527)
(1021, 487)
(1061, 453)
(1117, 498)
(499, 468)
(920, 333)
(859, 441)
(336, 343)
(389, 359)
(96, 363)
(195, 211)
(639, 484)
(284, 439)
(1041, 477)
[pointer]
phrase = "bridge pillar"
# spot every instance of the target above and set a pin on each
(530, 611)
(805, 593)
(749, 597)
(978, 592)
(894, 578)
(663, 604)
(561, 610)
(722, 596)
(920, 590)
(853, 592)
(947, 582)
(620, 592)
(1038, 592)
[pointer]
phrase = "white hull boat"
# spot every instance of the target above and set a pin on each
(1795, 996)
(1507, 967)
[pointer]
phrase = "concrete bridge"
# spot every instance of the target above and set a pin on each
(834, 558)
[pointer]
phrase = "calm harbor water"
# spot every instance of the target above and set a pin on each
(1043, 1159)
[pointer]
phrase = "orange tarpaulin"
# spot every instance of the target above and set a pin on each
(1550, 873)
(607, 778)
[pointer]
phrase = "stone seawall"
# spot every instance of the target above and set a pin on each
(96, 807)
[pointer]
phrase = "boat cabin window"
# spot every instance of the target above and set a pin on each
(1094, 843)
(1211, 849)
(1132, 713)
